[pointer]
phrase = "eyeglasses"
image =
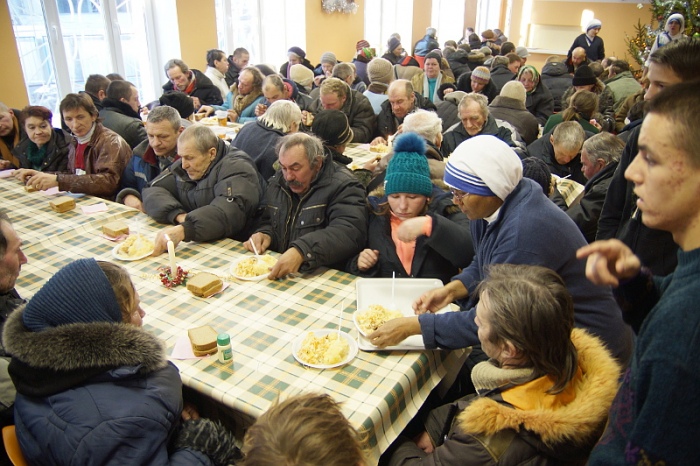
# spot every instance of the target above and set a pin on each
(459, 195)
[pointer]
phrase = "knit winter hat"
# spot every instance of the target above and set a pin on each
(332, 127)
(537, 170)
(329, 57)
(297, 51)
(393, 44)
(79, 292)
(481, 74)
(361, 44)
(514, 90)
(583, 76)
(408, 170)
(380, 70)
(301, 74)
(485, 166)
(592, 24)
(522, 52)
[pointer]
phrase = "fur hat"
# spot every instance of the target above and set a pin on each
(408, 170)
(393, 44)
(488, 35)
(361, 44)
(514, 90)
(486, 51)
(301, 74)
(583, 76)
(592, 24)
(481, 74)
(179, 101)
(332, 127)
(485, 166)
(522, 52)
(297, 51)
(380, 70)
(79, 292)
(329, 57)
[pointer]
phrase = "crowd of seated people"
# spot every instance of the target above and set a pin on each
(448, 202)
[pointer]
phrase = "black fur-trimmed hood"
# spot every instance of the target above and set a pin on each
(83, 346)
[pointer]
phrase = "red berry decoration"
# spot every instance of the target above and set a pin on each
(168, 280)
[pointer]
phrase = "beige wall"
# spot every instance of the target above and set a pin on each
(197, 24)
(617, 19)
(422, 9)
(336, 32)
(13, 92)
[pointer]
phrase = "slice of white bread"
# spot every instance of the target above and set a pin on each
(203, 340)
(204, 284)
(115, 229)
(62, 204)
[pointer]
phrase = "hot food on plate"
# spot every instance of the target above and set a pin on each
(135, 246)
(328, 349)
(381, 148)
(374, 317)
(254, 266)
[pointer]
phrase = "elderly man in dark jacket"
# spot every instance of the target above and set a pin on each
(427, 44)
(120, 112)
(475, 119)
(192, 82)
(315, 212)
(335, 94)
(211, 192)
(402, 101)
(599, 158)
(560, 149)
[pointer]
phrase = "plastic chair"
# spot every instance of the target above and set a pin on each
(9, 438)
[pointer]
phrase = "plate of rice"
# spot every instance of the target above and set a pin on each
(370, 319)
(324, 348)
(253, 268)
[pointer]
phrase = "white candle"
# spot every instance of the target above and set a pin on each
(171, 256)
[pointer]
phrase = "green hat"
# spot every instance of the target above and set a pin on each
(408, 170)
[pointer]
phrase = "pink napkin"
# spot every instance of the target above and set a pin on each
(94, 208)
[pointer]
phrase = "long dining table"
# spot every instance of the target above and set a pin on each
(380, 391)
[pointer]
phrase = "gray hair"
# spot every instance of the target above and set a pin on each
(407, 86)
(176, 63)
(313, 147)
(343, 71)
(604, 146)
(6, 219)
(424, 123)
(165, 113)
(480, 99)
(274, 80)
(204, 137)
(569, 135)
(281, 114)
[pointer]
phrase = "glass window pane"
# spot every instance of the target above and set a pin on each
(34, 52)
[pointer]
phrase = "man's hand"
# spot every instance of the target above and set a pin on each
(424, 442)
(262, 242)
(609, 261)
(5, 164)
(260, 110)
(196, 102)
(412, 228)
(288, 263)
(175, 233)
(132, 201)
(189, 412)
(24, 173)
(367, 259)
(394, 331)
(434, 300)
(378, 140)
(206, 109)
(43, 181)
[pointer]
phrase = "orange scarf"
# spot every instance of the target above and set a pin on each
(5, 151)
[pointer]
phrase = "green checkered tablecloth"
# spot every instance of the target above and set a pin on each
(32, 214)
(381, 392)
(360, 154)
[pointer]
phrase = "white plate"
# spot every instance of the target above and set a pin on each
(406, 291)
(118, 256)
(256, 278)
(357, 324)
(352, 352)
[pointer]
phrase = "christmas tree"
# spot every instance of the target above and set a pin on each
(639, 45)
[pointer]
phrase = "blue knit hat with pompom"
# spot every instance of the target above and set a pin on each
(408, 170)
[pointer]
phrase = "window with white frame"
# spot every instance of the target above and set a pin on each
(488, 15)
(386, 17)
(62, 42)
(267, 29)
